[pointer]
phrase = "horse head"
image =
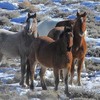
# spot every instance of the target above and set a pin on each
(81, 23)
(31, 24)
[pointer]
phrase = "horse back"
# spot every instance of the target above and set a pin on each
(65, 23)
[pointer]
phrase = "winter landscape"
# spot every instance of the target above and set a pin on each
(13, 14)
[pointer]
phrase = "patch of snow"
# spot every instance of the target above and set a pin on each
(94, 59)
(8, 6)
(21, 19)
(97, 18)
(49, 74)
(97, 40)
(22, 91)
(71, 17)
(90, 4)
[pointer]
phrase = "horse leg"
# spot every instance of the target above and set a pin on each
(80, 63)
(23, 66)
(32, 67)
(27, 72)
(72, 73)
(1, 55)
(56, 75)
(61, 75)
(42, 73)
(66, 74)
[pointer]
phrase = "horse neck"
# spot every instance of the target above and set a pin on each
(77, 40)
(35, 34)
(62, 45)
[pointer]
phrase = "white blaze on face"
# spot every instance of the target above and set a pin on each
(82, 19)
(31, 24)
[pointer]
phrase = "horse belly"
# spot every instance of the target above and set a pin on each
(9, 52)
(45, 62)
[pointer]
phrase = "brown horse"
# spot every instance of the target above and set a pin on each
(79, 48)
(65, 23)
(79, 44)
(52, 54)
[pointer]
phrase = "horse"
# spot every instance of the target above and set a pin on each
(16, 45)
(45, 26)
(52, 54)
(79, 48)
(79, 44)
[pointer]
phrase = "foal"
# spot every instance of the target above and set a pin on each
(52, 54)
(79, 44)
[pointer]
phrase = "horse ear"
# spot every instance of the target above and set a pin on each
(78, 14)
(35, 15)
(28, 14)
(85, 13)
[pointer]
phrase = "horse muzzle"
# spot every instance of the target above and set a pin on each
(29, 32)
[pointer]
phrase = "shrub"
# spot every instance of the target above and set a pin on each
(39, 1)
(9, 14)
(4, 20)
(24, 4)
(28, 7)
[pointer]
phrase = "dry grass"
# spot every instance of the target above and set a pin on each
(24, 4)
(28, 7)
(9, 14)
(40, 1)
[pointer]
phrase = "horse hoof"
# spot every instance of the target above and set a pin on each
(22, 84)
(45, 88)
(79, 84)
(27, 83)
(67, 94)
(31, 87)
(70, 82)
(55, 89)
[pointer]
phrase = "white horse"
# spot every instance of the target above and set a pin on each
(46, 25)
(16, 45)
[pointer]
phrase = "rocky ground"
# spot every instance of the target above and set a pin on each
(10, 89)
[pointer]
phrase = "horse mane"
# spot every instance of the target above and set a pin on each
(6, 31)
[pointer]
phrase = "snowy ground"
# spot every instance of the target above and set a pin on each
(10, 74)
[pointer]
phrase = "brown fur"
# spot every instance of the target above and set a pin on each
(52, 54)
(65, 23)
(79, 48)
(79, 43)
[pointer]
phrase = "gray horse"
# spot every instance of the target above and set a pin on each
(15, 45)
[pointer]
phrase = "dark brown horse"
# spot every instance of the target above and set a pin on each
(52, 54)
(79, 44)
